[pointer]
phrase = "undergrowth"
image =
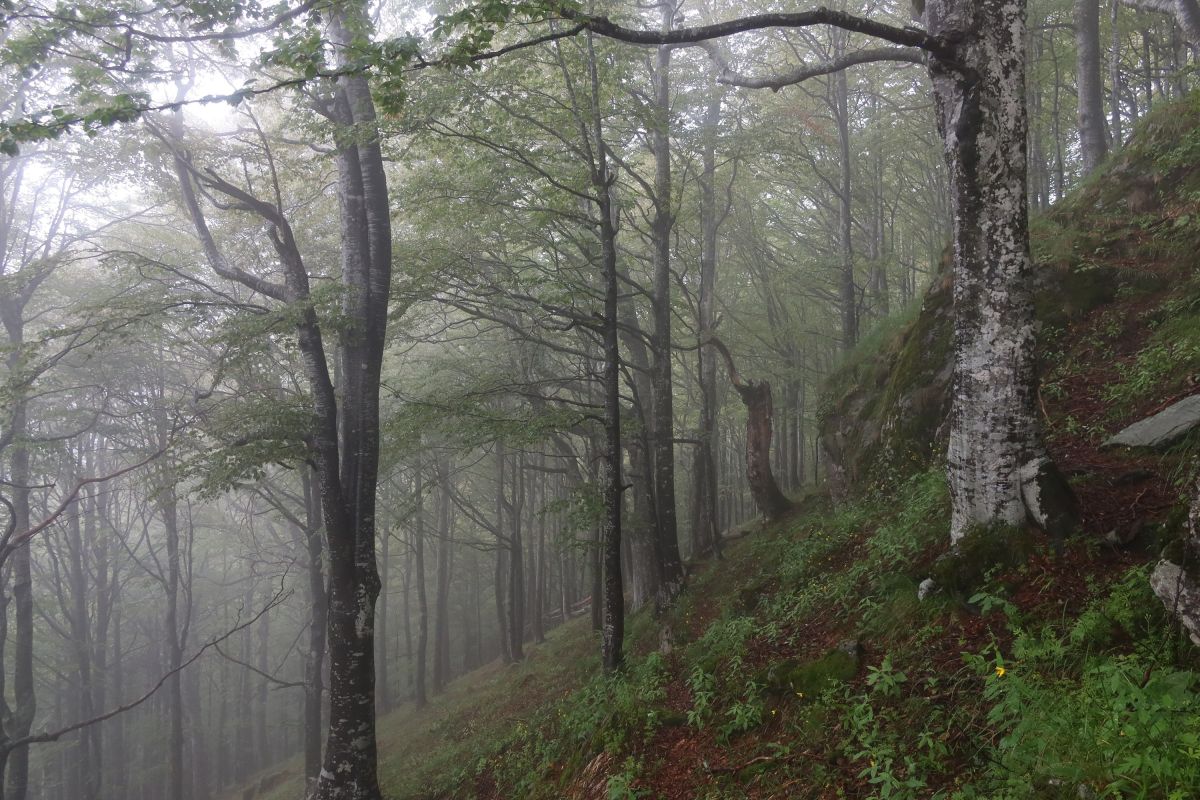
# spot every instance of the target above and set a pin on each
(1099, 704)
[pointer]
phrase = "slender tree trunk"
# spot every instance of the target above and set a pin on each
(848, 290)
(314, 661)
(168, 508)
(383, 694)
(706, 523)
(612, 616)
(670, 572)
(419, 691)
(1114, 75)
(1092, 140)
(516, 565)
(441, 628)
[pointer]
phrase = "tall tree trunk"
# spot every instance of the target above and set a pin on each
(169, 510)
(516, 565)
(314, 661)
(350, 476)
(1115, 81)
(612, 614)
(670, 572)
(441, 628)
(706, 523)
(998, 468)
(503, 553)
(383, 694)
(848, 290)
(1092, 140)
(419, 692)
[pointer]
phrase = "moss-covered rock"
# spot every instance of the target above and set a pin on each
(981, 551)
(807, 679)
(885, 408)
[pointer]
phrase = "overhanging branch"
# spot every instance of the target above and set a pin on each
(910, 55)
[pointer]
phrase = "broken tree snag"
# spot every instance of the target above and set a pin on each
(1177, 585)
(756, 396)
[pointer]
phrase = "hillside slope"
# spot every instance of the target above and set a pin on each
(803, 664)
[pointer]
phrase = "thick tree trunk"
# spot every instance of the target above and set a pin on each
(349, 482)
(1093, 142)
(998, 470)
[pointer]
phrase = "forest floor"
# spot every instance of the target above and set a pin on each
(802, 664)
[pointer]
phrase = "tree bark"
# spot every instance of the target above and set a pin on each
(848, 291)
(1093, 142)
(706, 523)
(997, 464)
(670, 572)
(756, 396)
(419, 691)
(314, 661)
(441, 628)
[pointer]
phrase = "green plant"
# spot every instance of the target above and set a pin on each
(744, 714)
(620, 785)
(1125, 725)
(875, 742)
(702, 685)
(885, 680)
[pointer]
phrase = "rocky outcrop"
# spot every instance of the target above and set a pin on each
(1163, 429)
(1177, 585)
(888, 408)
(886, 412)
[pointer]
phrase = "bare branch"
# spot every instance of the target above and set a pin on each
(911, 55)
(908, 37)
(53, 736)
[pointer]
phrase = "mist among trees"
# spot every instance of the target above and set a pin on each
(352, 347)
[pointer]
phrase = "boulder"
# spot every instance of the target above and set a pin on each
(1176, 584)
(1164, 428)
(1180, 594)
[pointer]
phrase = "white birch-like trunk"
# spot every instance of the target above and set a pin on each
(996, 460)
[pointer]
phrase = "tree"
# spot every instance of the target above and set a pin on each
(998, 470)
(345, 422)
(1093, 141)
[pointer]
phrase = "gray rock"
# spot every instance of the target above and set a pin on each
(852, 648)
(926, 588)
(1180, 594)
(1164, 428)
(1126, 535)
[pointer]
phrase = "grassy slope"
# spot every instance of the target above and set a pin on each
(1056, 678)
